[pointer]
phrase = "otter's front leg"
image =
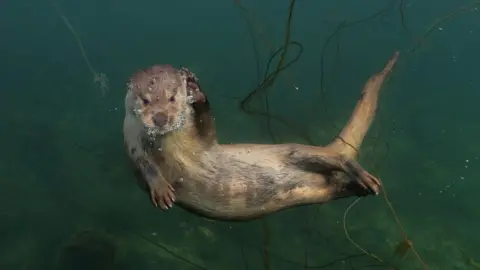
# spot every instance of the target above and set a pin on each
(324, 161)
(162, 193)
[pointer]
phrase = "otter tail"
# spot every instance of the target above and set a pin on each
(352, 135)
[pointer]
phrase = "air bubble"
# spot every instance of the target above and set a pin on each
(190, 99)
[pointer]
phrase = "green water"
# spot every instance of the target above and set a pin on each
(63, 169)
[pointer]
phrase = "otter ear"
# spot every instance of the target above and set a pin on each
(199, 96)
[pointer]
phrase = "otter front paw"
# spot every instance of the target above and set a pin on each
(362, 181)
(162, 195)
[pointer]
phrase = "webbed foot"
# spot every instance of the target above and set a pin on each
(162, 195)
(362, 182)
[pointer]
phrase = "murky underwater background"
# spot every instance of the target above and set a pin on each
(70, 201)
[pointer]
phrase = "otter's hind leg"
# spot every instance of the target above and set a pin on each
(323, 161)
(352, 135)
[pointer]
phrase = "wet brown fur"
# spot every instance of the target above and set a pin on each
(246, 181)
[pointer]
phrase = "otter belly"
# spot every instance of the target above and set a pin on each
(250, 192)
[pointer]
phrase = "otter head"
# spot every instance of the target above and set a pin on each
(162, 97)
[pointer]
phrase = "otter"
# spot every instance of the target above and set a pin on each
(170, 136)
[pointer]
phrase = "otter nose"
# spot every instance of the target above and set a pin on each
(160, 119)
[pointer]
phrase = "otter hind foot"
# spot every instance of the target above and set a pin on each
(361, 181)
(162, 195)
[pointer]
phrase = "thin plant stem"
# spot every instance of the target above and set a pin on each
(79, 42)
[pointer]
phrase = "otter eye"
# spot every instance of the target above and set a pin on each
(145, 101)
(171, 99)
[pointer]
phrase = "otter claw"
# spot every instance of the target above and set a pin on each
(370, 182)
(377, 183)
(364, 179)
(163, 196)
